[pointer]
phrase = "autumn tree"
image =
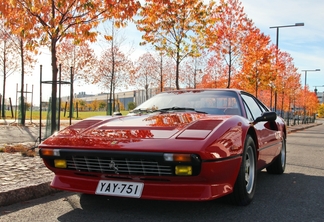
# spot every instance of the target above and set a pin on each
(146, 72)
(311, 104)
(94, 105)
(287, 80)
(27, 60)
(166, 70)
(306, 102)
(256, 60)
(11, 61)
(161, 71)
(77, 62)
(215, 75)
(320, 110)
(82, 104)
(80, 56)
(226, 36)
(113, 72)
(52, 21)
(175, 28)
(193, 70)
(119, 105)
(8, 60)
(115, 66)
(165, 66)
(292, 83)
(102, 105)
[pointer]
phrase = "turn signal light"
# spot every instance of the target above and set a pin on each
(183, 170)
(181, 157)
(60, 163)
(177, 157)
(50, 152)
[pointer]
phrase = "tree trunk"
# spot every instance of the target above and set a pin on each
(112, 71)
(177, 70)
(229, 67)
(22, 101)
(161, 74)
(146, 91)
(4, 82)
(54, 86)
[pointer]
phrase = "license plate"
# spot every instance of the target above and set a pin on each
(119, 188)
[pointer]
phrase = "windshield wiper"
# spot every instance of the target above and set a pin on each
(141, 111)
(176, 108)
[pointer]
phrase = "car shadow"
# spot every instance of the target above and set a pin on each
(299, 193)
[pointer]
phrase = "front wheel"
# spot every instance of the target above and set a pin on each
(245, 184)
(279, 164)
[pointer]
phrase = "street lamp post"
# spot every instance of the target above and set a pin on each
(305, 85)
(277, 46)
(312, 70)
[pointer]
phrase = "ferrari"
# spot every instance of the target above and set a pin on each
(183, 145)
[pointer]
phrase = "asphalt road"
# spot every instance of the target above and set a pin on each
(297, 195)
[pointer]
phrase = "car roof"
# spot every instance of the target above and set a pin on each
(207, 89)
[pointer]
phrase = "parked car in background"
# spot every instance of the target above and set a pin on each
(189, 145)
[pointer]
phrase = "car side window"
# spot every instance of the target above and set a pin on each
(248, 112)
(252, 106)
(263, 107)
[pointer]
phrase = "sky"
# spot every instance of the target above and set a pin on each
(305, 44)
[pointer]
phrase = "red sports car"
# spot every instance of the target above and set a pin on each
(190, 145)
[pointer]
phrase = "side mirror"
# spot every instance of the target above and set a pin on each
(117, 114)
(266, 116)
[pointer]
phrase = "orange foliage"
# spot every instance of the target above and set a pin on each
(256, 63)
(113, 71)
(192, 72)
(50, 21)
(216, 75)
(175, 27)
(146, 73)
(80, 57)
(240, 56)
(226, 36)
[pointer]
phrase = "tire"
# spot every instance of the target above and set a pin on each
(279, 164)
(245, 184)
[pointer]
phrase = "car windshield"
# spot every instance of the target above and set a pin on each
(220, 102)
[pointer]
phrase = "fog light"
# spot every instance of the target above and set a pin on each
(60, 163)
(183, 170)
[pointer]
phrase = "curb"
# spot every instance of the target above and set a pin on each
(26, 193)
(23, 179)
(302, 127)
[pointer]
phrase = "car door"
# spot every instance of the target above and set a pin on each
(267, 131)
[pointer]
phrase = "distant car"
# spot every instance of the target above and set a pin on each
(190, 145)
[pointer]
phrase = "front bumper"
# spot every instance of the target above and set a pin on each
(216, 179)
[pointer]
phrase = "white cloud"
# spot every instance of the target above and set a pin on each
(305, 44)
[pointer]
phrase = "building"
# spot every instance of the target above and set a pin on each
(135, 96)
(320, 96)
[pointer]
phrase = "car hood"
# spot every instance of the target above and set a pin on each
(106, 130)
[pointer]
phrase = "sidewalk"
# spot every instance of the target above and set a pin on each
(24, 178)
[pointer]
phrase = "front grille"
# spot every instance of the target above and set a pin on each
(123, 166)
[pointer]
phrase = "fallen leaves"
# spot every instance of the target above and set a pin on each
(26, 150)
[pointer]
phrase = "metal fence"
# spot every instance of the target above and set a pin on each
(292, 119)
